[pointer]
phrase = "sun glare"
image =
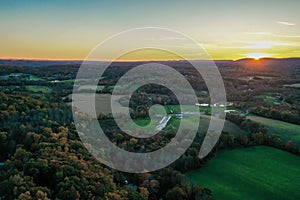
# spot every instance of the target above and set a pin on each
(257, 56)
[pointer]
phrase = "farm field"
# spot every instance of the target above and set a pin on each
(35, 78)
(71, 81)
(251, 173)
(194, 108)
(102, 105)
(269, 99)
(286, 131)
(204, 119)
(191, 119)
(42, 89)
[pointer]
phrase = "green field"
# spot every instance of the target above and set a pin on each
(191, 119)
(36, 88)
(193, 108)
(145, 123)
(71, 81)
(204, 123)
(251, 173)
(35, 78)
(286, 131)
(268, 98)
(188, 119)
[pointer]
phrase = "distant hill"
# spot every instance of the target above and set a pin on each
(246, 62)
(36, 63)
(288, 62)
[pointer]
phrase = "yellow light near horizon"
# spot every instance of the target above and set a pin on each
(257, 56)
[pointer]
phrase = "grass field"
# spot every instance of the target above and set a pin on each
(39, 91)
(188, 119)
(35, 78)
(42, 89)
(204, 119)
(102, 102)
(251, 173)
(194, 108)
(71, 81)
(267, 97)
(191, 119)
(286, 131)
(145, 124)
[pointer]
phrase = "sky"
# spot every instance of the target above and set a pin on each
(227, 29)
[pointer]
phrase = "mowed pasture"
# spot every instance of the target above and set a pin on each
(286, 131)
(144, 124)
(251, 173)
(194, 108)
(269, 99)
(189, 120)
(204, 119)
(103, 103)
(39, 89)
(229, 127)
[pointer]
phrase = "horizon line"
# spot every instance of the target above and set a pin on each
(150, 60)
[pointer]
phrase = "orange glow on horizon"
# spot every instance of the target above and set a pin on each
(258, 56)
(44, 59)
(127, 60)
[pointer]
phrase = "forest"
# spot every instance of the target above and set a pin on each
(42, 156)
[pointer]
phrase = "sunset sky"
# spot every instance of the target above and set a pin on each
(228, 29)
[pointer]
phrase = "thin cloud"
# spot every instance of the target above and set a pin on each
(285, 23)
(166, 38)
(259, 45)
(271, 34)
